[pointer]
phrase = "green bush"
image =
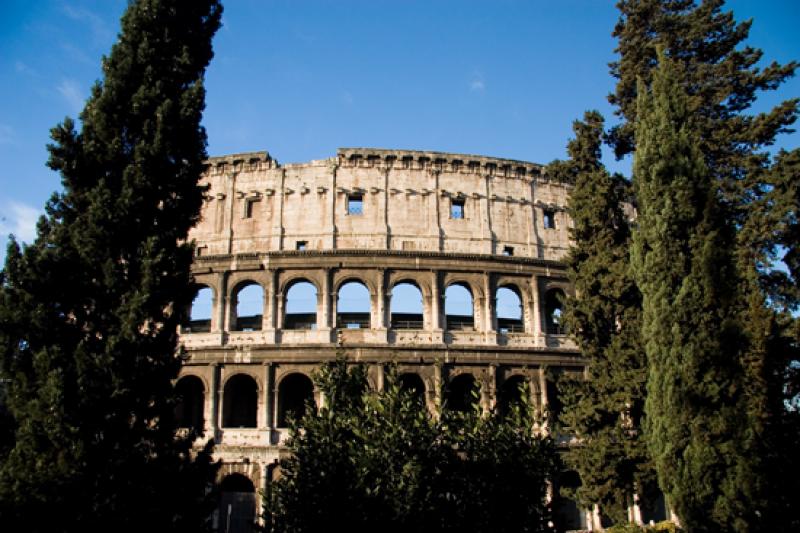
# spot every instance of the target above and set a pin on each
(665, 526)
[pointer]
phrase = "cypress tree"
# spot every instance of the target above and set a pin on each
(720, 75)
(696, 423)
(604, 410)
(89, 312)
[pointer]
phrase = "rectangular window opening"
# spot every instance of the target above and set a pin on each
(549, 217)
(355, 204)
(301, 245)
(457, 208)
(248, 208)
(508, 250)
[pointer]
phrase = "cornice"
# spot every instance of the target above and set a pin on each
(449, 256)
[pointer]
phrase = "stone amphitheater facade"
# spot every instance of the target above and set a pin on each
(378, 218)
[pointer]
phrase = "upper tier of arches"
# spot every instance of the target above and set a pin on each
(317, 304)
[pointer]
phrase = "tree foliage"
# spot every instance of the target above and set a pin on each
(719, 73)
(722, 78)
(769, 308)
(604, 410)
(371, 461)
(697, 424)
(89, 312)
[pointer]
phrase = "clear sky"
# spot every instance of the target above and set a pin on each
(300, 78)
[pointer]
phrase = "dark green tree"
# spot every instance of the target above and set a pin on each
(378, 461)
(719, 73)
(722, 78)
(697, 426)
(604, 410)
(773, 329)
(358, 463)
(89, 312)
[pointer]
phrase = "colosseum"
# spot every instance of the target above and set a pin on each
(448, 265)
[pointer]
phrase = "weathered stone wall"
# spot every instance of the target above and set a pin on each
(253, 204)
(273, 225)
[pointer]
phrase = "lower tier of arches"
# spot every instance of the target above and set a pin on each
(252, 404)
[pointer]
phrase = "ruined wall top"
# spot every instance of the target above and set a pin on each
(378, 199)
(240, 161)
(387, 158)
(440, 161)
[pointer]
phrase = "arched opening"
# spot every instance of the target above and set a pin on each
(413, 384)
(462, 393)
(654, 506)
(249, 300)
(553, 312)
(189, 409)
(237, 505)
(300, 306)
(294, 392)
(512, 392)
(200, 312)
(406, 306)
(509, 310)
(458, 308)
(566, 513)
(353, 306)
(240, 402)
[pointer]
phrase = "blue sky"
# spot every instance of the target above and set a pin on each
(299, 79)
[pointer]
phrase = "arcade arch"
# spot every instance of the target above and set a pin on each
(248, 301)
(237, 504)
(508, 308)
(412, 383)
(459, 308)
(462, 393)
(240, 402)
(300, 305)
(511, 393)
(406, 307)
(353, 305)
(191, 400)
(554, 312)
(295, 393)
(201, 310)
